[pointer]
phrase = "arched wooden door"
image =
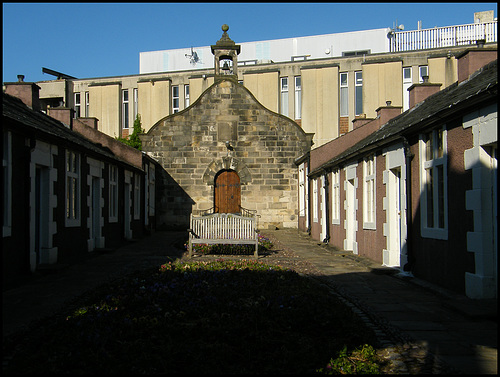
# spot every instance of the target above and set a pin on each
(227, 192)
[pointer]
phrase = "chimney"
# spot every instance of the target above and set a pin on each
(89, 122)
(472, 60)
(360, 120)
(28, 92)
(62, 114)
(419, 92)
(386, 113)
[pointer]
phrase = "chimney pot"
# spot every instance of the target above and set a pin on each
(425, 78)
(480, 43)
(20, 78)
(388, 103)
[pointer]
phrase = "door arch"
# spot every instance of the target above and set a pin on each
(227, 192)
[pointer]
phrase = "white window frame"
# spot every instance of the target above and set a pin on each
(7, 183)
(136, 102)
(87, 104)
(407, 82)
(137, 196)
(344, 94)
(125, 110)
(72, 189)
(358, 86)
(369, 192)
(298, 97)
(315, 200)
(175, 99)
(432, 158)
(302, 191)
(423, 70)
(78, 105)
(336, 197)
(113, 194)
(186, 96)
(284, 96)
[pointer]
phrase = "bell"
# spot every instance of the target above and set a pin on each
(225, 67)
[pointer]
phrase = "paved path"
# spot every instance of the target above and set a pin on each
(460, 331)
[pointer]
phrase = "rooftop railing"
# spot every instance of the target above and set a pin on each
(443, 36)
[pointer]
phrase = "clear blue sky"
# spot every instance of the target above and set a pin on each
(87, 40)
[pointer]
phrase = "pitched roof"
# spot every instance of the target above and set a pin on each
(46, 127)
(481, 86)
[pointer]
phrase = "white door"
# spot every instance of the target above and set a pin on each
(350, 209)
(395, 219)
(323, 209)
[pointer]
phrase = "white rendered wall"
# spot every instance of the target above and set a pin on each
(277, 50)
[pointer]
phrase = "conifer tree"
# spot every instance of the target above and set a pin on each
(134, 140)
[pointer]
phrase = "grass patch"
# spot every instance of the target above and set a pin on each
(199, 317)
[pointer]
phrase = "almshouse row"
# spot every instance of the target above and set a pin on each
(64, 195)
(416, 190)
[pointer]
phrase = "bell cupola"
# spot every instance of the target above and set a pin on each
(226, 55)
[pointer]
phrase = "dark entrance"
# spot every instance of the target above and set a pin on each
(227, 192)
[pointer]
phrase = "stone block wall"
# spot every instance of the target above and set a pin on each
(227, 128)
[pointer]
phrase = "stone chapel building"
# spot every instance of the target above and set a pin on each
(227, 153)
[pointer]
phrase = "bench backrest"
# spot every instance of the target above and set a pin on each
(227, 226)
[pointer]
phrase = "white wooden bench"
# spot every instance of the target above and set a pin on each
(224, 228)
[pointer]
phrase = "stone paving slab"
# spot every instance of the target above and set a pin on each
(449, 326)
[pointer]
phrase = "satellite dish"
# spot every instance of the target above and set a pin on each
(401, 27)
(327, 51)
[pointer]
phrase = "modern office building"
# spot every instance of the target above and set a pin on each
(322, 82)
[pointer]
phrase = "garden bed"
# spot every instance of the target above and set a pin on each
(219, 316)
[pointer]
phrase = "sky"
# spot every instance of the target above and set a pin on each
(87, 40)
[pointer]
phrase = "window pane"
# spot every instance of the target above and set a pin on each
(284, 103)
(359, 100)
(440, 146)
(344, 103)
(284, 83)
(407, 73)
(68, 196)
(430, 198)
(343, 79)
(440, 183)
(297, 82)
(428, 147)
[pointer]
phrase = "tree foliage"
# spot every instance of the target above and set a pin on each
(134, 140)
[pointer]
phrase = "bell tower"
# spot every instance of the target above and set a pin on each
(226, 55)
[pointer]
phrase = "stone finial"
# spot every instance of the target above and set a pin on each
(225, 40)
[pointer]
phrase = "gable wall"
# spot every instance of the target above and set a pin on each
(191, 147)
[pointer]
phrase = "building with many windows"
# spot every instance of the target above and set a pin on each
(321, 82)
(364, 147)
(68, 190)
(416, 190)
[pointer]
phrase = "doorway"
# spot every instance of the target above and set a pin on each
(227, 192)
(395, 236)
(41, 212)
(350, 227)
(95, 215)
